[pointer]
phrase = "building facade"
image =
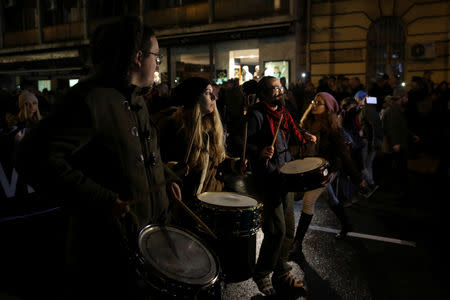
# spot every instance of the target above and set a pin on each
(46, 41)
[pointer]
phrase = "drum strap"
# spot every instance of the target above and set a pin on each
(205, 167)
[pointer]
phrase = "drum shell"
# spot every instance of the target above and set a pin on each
(236, 229)
(228, 221)
(237, 255)
(306, 181)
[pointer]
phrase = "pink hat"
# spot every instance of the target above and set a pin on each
(330, 102)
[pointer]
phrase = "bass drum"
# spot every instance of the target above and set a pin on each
(176, 264)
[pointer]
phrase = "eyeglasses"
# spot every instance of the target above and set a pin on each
(278, 89)
(317, 102)
(159, 57)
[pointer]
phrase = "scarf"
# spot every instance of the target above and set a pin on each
(287, 124)
(273, 116)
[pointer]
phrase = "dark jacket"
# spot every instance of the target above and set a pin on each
(331, 146)
(396, 131)
(259, 136)
(370, 123)
(98, 146)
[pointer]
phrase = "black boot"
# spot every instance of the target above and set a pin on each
(342, 217)
(296, 252)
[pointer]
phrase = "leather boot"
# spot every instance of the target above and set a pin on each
(296, 252)
(342, 217)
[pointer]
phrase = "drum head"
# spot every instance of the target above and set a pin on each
(227, 199)
(178, 255)
(302, 165)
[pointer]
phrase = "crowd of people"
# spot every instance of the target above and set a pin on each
(123, 155)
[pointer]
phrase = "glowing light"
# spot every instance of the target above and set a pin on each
(303, 74)
(403, 83)
(157, 78)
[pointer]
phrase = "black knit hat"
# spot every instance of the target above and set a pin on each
(261, 88)
(188, 92)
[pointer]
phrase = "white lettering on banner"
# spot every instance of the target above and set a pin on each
(10, 186)
(30, 189)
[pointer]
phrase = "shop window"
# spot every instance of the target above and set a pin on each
(44, 84)
(72, 82)
(243, 64)
(277, 69)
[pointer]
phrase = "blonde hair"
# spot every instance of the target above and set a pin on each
(211, 125)
(24, 114)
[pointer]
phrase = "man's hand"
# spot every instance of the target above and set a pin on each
(120, 208)
(175, 191)
(243, 165)
(267, 152)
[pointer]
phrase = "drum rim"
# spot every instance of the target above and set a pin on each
(204, 245)
(230, 207)
(324, 165)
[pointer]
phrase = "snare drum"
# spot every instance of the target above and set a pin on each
(305, 174)
(176, 263)
(235, 219)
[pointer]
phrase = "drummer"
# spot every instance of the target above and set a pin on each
(266, 159)
(192, 135)
(321, 119)
(98, 156)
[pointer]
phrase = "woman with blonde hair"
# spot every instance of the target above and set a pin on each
(192, 135)
(29, 114)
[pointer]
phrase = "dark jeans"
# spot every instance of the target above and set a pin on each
(279, 229)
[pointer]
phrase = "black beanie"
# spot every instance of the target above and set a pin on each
(261, 88)
(187, 93)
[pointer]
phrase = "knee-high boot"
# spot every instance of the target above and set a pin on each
(342, 217)
(302, 227)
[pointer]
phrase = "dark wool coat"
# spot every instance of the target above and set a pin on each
(396, 131)
(100, 145)
(259, 135)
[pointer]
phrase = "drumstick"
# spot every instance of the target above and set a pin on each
(305, 114)
(188, 152)
(196, 218)
(275, 137)
(170, 241)
(245, 141)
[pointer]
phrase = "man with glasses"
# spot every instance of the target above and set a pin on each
(99, 154)
(266, 159)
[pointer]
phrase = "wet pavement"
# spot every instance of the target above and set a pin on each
(396, 250)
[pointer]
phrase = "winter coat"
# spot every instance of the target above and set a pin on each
(370, 123)
(100, 145)
(332, 147)
(259, 136)
(395, 128)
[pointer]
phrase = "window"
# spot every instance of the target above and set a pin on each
(44, 84)
(72, 82)
(386, 48)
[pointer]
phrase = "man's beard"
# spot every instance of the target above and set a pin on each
(280, 100)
